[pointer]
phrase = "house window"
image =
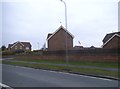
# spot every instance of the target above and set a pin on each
(15, 47)
(20, 47)
(27, 48)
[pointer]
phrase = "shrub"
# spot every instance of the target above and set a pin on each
(5, 53)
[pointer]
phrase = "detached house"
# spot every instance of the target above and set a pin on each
(25, 46)
(111, 40)
(60, 39)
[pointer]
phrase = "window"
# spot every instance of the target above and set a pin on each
(27, 48)
(20, 47)
(15, 47)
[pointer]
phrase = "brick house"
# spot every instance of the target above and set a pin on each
(60, 40)
(24, 46)
(111, 40)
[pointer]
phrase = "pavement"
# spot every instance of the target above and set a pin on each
(16, 76)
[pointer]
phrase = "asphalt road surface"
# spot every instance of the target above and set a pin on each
(15, 76)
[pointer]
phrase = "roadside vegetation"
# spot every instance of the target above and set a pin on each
(104, 64)
(32, 59)
(89, 71)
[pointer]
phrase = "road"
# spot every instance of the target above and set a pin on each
(15, 76)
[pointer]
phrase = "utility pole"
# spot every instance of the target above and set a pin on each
(67, 61)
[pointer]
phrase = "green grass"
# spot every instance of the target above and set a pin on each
(98, 64)
(65, 68)
(79, 63)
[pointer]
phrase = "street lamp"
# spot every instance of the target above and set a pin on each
(65, 13)
(66, 31)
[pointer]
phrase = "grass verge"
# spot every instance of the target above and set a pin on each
(65, 68)
(106, 64)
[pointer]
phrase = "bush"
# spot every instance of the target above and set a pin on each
(6, 53)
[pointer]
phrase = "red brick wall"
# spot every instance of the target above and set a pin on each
(114, 43)
(58, 41)
(76, 57)
(18, 46)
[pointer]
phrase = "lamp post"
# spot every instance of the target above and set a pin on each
(65, 13)
(66, 31)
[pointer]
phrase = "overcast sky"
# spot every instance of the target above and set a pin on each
(31, 20)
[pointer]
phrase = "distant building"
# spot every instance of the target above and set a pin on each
(78, 47)
(111, 40)
(92, 47)
(60, 39)
(25, 46)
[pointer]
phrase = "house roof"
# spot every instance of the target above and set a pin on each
(52, 34)
(108, 36)
(49, 35)
(111, 39)
(10, 45)
(26, 43)
(22, 43)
